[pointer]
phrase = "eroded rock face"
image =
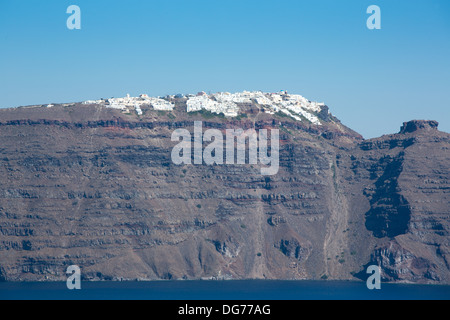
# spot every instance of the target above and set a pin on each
(409, 202)
(399, 264)
(93, 187)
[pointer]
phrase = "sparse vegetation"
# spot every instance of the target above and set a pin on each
(207, 114)
(281, 114)
(285, 130)
(241, 116)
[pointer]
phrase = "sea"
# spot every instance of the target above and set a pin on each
(221, 290)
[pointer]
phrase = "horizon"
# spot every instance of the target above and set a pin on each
(213, 93)
(372, 80)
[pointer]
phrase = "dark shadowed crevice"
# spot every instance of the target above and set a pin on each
(389, 213)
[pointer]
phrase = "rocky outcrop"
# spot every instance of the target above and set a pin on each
(400, 265)
(415, 125)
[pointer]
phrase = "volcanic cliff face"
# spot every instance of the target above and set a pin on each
(409, 202)
(94, 187)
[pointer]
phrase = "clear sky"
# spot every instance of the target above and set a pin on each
(373, 80)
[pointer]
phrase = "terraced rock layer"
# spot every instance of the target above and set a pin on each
(86, 185)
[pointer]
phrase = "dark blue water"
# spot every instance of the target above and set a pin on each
(222, 290)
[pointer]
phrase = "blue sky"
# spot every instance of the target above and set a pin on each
(373, 80)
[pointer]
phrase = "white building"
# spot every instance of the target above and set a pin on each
(293, 105)
(138, 110)
(224, 105)
(93, 102)
(161, 104)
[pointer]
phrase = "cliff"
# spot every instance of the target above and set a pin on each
(92, 186)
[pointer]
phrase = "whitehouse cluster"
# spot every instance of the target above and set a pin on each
(228, 104)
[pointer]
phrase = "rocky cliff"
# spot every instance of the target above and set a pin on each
(92, 186)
